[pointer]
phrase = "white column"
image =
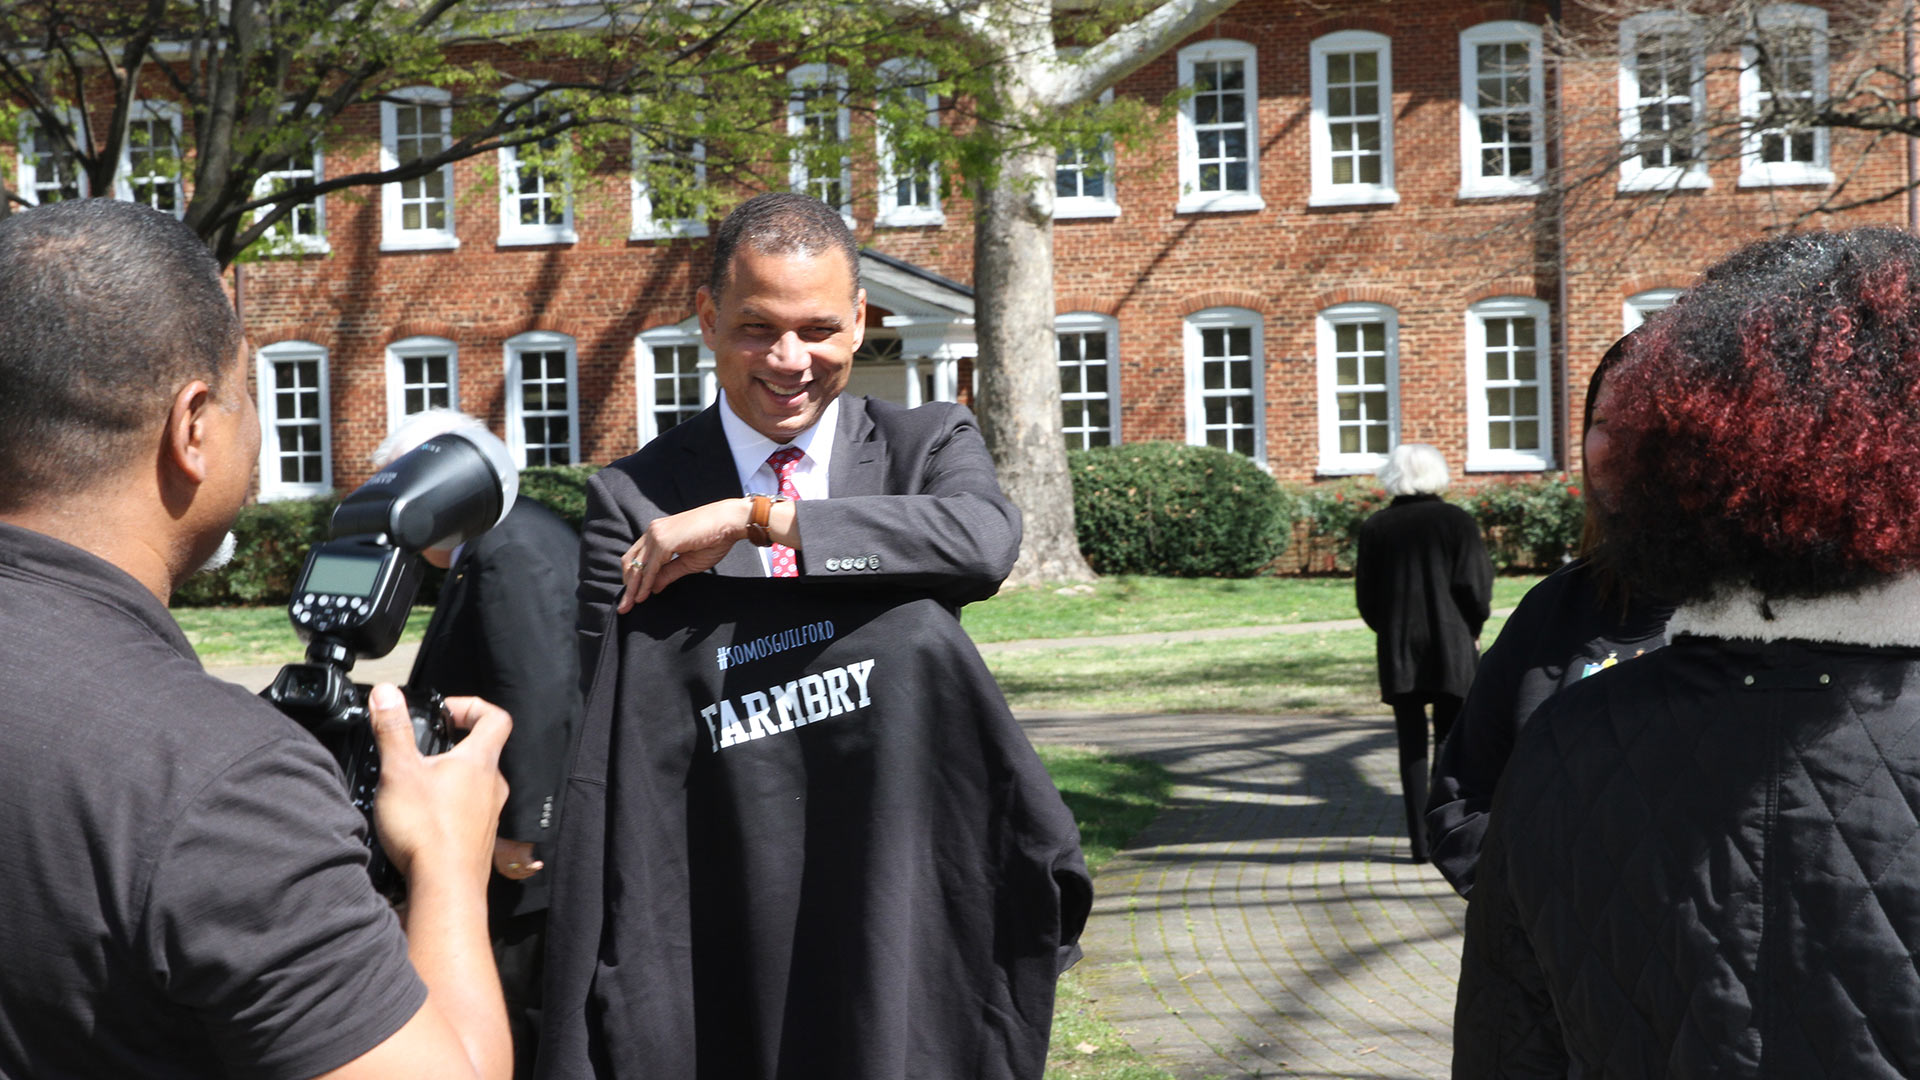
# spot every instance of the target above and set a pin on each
(944, 340)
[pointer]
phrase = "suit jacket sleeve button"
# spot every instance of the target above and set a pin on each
(833, 564)
(873, 561)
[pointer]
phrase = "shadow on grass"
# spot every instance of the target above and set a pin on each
(1304, 675)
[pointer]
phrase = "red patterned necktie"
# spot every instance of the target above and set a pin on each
(783, 461)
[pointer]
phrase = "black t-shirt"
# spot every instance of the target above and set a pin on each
(183, 886)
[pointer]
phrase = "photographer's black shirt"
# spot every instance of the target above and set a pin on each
(182, 882)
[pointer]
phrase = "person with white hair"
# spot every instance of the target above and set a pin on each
(504, 629)
(1424, 585)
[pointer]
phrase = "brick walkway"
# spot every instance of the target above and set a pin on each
(1270, 923)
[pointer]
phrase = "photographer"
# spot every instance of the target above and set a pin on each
(186, 891)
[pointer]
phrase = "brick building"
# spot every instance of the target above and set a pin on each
(1345, 239)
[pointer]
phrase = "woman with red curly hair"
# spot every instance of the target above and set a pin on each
(1707, 862)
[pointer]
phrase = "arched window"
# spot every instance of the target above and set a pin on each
(543, 407)
(296, 457)
(1509, 388)
(1359, 386)
(1226, 377)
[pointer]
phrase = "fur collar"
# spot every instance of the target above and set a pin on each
(1886, 614)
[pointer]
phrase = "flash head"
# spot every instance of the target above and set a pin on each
(447, 489)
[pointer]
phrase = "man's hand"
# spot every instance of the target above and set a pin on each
(446, 807)
(514, 859)
(690, 542)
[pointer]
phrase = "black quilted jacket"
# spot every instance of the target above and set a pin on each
(1705, 863)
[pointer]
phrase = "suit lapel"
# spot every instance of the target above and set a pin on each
(707, 475)
(859, 452)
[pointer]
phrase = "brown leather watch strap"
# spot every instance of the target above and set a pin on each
(757, 520)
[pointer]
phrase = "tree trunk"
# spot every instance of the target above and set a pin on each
(1019, 400)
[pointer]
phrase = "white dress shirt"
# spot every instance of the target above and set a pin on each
(751, 450)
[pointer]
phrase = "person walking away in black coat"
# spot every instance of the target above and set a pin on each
(504, 628)
(1706, 862)
(1581, 620)
(1423, 583)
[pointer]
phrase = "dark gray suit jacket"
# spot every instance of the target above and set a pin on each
(503, 630)
(914, 503)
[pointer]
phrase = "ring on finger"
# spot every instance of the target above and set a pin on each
(639, 565)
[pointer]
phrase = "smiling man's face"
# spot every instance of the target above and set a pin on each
(783, 335)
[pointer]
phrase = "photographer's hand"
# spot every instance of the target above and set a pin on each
(436, 817)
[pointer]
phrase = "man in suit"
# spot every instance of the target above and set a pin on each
(503, 629)
(816, 484)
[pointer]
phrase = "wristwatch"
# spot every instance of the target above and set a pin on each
(757, 517)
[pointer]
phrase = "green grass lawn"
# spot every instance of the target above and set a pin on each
(1131, 605)
(1116, 605)
(1112, 799)
(1327, 672)
(259, 635)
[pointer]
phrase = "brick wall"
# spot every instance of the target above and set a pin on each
(1428, 256)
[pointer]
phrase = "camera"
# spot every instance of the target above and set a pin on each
(356, 589)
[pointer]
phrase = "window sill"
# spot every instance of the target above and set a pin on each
(543, 237)
(1222, 203)
(1358, 196)
(1489, 462)
(1802, 176)
(1487, 189)
(1348, 466)
(1666, 179)
(911, 218)
(296, 248)
(671, 230)
(1080, 207)
(426, 242)
(281, 493)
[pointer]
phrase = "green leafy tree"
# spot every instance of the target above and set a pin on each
(572, 87)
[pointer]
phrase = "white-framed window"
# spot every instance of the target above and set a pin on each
(151, 162)
(543, 409)
(1219, 128)
(1502, 122)
(416, 214)
(1509, 391)
(1642, 306)
(653, 161)
(536, 206)
(909, 189)
(818, 116)
(674, 377)
(1087, 346)
(1083, 178)
(295, 436)
(1226, 379)
(1662, 99)
(1358, 348)
(48, 170)
(422, 373)
(1785, 69)
(1351, 132)
(304, 228)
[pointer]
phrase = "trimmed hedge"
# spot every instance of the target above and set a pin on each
(1533, 524)
(273, 542)
(1327, 521)
(274, 538)
(563, 488)
(1528, 524)
(1173, 510)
